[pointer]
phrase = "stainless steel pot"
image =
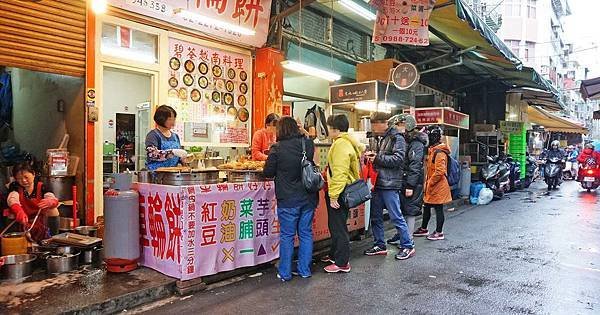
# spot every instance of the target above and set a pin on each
(213, 161)
(87, 230)
(66, 224)
(245, 176)
(195, 177)
(91, 256)
(17, 266)
(61, 186)
(66, 259)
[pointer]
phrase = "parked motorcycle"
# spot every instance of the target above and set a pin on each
(496, 176)
(589, 177)
(515, 173)
(553, 172)
(532, 171)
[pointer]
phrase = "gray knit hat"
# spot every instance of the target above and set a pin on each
(407, 119)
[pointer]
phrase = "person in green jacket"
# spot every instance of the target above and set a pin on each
(343, 162)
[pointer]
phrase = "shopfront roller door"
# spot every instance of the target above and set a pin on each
(44, 35)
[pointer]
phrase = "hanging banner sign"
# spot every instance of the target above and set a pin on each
(243, 21)
(403, 22)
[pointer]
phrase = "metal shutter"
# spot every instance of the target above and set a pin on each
(46, 35)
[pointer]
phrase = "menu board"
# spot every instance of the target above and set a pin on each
(211, 90)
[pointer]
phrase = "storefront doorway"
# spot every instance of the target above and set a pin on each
(125, 119)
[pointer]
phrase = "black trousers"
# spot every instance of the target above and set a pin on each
(337, 220)
(439, 216)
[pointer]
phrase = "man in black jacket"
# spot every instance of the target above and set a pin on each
(388, 158)
(411, 196)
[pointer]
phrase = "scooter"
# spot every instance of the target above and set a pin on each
(515, 173)
(496, 176)
(553, 172)
(532, 171)
(589, 177)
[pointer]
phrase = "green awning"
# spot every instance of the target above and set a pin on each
(459, 26)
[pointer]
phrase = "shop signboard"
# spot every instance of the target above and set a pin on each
(353, 92)
(405, 76)
(429, 116)
(508, 127)
(194, 231)
(441, 116)
(402, 22)
(211, 87)
(242, 21)
(456, 119)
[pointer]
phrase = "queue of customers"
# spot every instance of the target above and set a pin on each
(392, 164)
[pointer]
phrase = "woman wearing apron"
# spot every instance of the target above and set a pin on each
(27, 196)
(162, 145)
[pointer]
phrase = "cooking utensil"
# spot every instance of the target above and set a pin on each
(7, 227)
(68, 261)
(244, 176)
(91, 256)
(75, 240)
(87, 230)
(14, 244)
(28, 231)
(192, 177)
(17, 266)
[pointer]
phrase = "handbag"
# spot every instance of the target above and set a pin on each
(312, 179)
(354, 194)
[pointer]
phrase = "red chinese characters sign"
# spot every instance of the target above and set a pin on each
(441, 116)
(402, 21)
(246, 21)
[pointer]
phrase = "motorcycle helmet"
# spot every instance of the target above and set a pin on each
(555, 144)
(589, 146)
(434, 133)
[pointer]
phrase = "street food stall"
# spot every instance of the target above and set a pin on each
(201, 227)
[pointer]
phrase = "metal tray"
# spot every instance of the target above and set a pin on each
(242, 176)
(75, 240)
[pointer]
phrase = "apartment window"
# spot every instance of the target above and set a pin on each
(529, 51)
(531, 8)
(512, 7)
(513, 45)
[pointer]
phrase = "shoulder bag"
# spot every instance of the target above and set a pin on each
(311, 176)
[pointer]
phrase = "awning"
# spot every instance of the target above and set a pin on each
(590, 89)
(537, 97)
(457, 24)
(552, 122)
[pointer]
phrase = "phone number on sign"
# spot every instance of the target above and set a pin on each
(151, 5)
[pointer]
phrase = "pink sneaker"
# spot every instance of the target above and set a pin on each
(421, 232)
(333, 268)
(436, 236)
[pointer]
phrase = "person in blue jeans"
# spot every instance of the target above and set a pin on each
(295, 205)
(387, 154)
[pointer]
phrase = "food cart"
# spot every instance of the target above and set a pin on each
(195, 226)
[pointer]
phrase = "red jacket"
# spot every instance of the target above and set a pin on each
(261, 143)
(588, 154)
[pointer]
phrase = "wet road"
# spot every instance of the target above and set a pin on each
(531, 254)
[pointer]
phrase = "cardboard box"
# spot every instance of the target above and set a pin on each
(375, 70)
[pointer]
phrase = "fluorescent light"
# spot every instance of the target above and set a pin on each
(358, 9)
(99, 6)
(127, 53)
(373, 106)
(205, 19)
(308, 70)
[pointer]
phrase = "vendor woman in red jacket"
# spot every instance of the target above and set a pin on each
(264, 138)
(26, 196)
